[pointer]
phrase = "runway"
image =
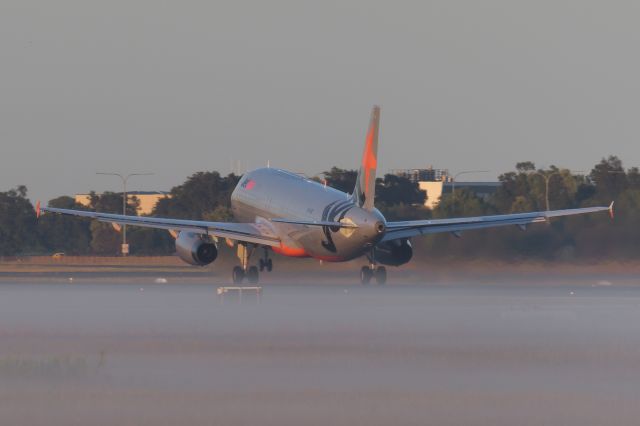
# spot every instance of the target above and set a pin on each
(455, 353)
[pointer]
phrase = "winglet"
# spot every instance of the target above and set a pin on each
(38, 211)
(611, 212)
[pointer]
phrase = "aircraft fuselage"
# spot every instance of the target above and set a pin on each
(269, 193)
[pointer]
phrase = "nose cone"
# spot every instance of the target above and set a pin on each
(371, 225)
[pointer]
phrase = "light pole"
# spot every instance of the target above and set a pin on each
(547, 178)
(465, 172)
(125, 247)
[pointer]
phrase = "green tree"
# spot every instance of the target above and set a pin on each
(17, 222)
(393, 190)
(633, 178)
(341, 179)
(563, 188)
(525, 166)
(71, 235)
(219, 214)
(526, 189)
(609, 178)
(516, 186)
(199, 196)
(111, 202)
(405, 212)
(149, 242)
(462, 203)
(105, 240)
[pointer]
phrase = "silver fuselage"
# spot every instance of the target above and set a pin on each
(268, 193)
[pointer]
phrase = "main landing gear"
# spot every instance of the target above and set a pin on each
(265, 261)
(373, 271)
(251, 273)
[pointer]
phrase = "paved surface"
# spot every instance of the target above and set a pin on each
(460, 353)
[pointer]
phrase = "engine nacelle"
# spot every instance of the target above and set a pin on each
(196, 249)
(394, 253)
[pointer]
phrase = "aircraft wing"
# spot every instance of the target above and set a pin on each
(415, 228)
(246, 232)
(315, 223)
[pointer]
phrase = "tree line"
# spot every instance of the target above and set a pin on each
(206, 196)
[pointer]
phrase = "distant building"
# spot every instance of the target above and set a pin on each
(436, 182)
(435, 190)
(147, 199)
(423, 175)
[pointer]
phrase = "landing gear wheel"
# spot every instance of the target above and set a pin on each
(269, 265)
(237, 275)
(253, 274)
(262, 264)
(365, 275)
(381, 275)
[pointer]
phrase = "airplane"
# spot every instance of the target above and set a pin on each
(284, 212)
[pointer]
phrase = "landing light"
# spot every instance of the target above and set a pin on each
(347, 232)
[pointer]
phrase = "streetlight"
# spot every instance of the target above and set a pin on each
(453, 179)
(125, 247)
(547, 178)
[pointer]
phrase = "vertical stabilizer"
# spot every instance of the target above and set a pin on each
(365, 189)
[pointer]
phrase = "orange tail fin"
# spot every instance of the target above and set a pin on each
(365, 190)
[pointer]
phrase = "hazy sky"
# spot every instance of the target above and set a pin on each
(183, 86)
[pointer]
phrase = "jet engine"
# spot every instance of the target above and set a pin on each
(394, 252)
(196, 249)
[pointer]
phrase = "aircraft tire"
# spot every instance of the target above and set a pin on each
(365, 275)
(381, 275)
(262, 265)
(269, 265)
(253, 275)
(237, 275)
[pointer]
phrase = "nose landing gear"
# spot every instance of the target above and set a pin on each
(373, 271)
(369, 272)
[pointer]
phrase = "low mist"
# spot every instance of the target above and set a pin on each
(441, 353)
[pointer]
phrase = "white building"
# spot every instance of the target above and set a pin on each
(147, 199)
(436, 182)
(435, 190)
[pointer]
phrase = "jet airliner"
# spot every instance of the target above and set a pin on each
(286, 213)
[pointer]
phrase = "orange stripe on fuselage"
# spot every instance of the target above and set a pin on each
(290, 251)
